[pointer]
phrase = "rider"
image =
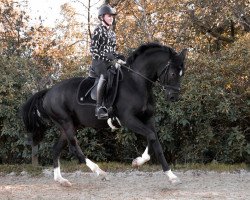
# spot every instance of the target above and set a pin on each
(103, 49)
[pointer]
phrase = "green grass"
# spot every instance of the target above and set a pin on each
(17, 169)
(107, 166)
(72, 166)
(218, 167)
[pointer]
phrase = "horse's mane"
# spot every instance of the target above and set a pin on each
(143, 48)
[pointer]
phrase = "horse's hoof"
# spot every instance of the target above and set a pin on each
(103, 175)
(64, 183)
(175, 181)
(105, 178)
(136, 162)
(101, 172)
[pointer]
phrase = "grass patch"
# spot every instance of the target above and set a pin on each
(17, 169)
(120, 167)
(218, 167)
(72, 166)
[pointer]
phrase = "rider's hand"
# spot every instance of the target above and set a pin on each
(120, 56)
(117, 65)
(111, 56)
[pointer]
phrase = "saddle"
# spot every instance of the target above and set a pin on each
(87, 89)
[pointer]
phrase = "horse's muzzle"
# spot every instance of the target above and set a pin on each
(171, 95)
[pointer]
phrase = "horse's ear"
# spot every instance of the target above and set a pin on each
(183, 54)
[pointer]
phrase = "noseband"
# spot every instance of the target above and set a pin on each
(165, 73)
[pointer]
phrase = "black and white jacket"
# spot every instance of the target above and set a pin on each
(103, 41)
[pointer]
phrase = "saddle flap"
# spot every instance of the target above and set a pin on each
(87, 90)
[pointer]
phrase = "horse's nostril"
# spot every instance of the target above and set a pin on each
(172, 98)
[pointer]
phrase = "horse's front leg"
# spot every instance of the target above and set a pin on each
(154, 145)
(172, 177)
(141, 160)
(96, 169)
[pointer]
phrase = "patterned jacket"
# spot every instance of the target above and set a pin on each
(103, 42)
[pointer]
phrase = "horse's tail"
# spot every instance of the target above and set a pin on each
(32, 113)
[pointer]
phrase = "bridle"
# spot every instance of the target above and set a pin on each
(165, 72)
(157, 82)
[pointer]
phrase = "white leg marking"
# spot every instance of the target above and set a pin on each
(111, 125)
(172, 177)
(58, 177)
(141, 160)
(95, 168)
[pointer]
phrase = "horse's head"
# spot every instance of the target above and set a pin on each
(168, 67)
(170, 75)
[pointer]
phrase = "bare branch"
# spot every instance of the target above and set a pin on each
(206, 29)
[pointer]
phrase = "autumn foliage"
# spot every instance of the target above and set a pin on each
(209, 123)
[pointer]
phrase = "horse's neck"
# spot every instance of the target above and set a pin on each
(147, 71)
(140, 81)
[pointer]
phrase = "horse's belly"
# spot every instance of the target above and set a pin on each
(86, 117)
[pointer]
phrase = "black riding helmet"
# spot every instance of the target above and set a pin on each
(106, 9)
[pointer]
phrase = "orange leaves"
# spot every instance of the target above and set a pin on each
(146, 21)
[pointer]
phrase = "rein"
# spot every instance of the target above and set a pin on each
(129, 69)
(164, 71)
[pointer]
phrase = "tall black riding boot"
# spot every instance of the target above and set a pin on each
(101, 111)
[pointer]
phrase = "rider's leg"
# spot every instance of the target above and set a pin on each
(101, 111)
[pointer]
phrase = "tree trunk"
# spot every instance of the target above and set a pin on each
(35, 155)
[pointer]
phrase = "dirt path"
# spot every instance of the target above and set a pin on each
(128, 185)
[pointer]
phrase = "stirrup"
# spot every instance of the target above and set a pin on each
(102, 112)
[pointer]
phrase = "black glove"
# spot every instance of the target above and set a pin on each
(110, 56)
(120, 56)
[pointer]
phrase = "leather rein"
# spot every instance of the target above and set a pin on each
(163, 72)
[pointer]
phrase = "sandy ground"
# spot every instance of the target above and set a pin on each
(128, 185)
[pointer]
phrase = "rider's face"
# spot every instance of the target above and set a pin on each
(108, 18)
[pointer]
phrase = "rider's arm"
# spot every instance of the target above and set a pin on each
(98, 44)
(95, 44)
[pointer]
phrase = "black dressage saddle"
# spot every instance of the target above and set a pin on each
(87, 89)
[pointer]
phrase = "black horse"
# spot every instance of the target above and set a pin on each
(133, 106)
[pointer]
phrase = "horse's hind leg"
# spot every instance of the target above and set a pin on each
(56, 155)
(74, 148)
